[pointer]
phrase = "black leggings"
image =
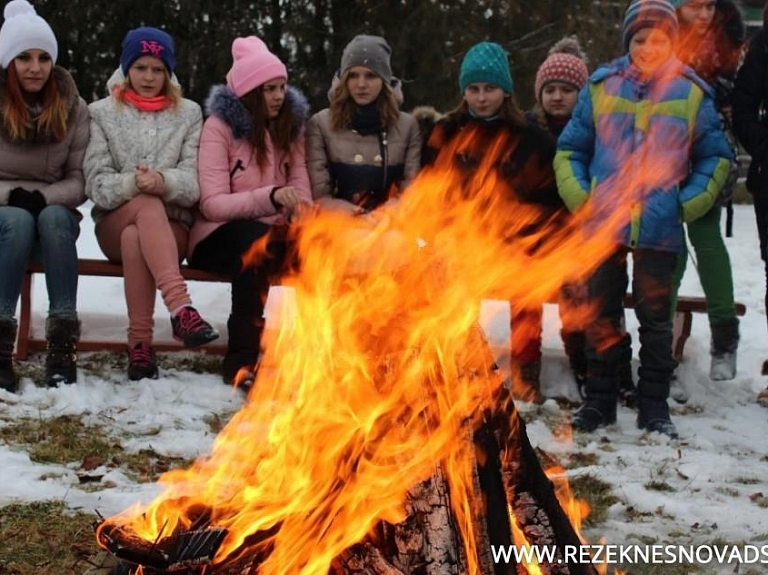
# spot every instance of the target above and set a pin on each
(223, 251)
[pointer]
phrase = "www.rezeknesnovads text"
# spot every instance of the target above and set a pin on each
(631, 554)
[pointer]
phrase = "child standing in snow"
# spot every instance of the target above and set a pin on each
(489, 113)
(750, 100)
(632, 148)
(711, 34)
(140, 169)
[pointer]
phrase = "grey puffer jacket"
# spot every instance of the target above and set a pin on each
(348, 165)
(123, 137)
(40, 163)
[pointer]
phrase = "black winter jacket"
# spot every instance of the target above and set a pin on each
(750, 100)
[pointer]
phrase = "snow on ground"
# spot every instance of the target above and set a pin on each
(713, 474)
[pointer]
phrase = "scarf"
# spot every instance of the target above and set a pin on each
(366, 120)
(155, 104)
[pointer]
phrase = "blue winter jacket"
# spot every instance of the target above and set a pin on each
(653, 150)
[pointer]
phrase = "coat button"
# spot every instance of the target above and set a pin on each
(358, 159)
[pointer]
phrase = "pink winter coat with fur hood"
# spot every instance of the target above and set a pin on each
(232, 185)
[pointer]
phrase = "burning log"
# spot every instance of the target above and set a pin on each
(507, 478)
(380, 441)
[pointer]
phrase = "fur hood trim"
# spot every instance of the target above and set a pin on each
(225, 105)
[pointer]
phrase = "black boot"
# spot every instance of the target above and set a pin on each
(725, 341)
(652, 409)
(627, 389)
(599, 407)
(242, 351)
(61, 362)
(8, 378)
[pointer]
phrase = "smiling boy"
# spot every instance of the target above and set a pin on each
(643, 152)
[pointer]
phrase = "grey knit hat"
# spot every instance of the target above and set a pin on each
(373, 52)
(649, 14)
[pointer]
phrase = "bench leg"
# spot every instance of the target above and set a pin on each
(25, 318)
(681, 331)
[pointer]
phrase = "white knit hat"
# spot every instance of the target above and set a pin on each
(24, 30)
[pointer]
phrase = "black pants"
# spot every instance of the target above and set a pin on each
(225, 252)
(761, 215)
(652, 297)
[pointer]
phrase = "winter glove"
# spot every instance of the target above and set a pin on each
(34, 201)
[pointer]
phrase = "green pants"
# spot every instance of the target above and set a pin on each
(714, 267)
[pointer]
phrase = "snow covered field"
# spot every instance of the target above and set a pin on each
(714, 479)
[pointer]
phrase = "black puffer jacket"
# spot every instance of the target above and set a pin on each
(750, 99)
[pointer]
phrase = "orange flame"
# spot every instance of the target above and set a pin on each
(375, 382)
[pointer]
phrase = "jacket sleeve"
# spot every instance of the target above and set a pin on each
(317, 160)
(218, 203)
(70, 190)
(748, 96)
(412, 153)
(104, 183)
(711, 158)
(181, 186)
(575, 149)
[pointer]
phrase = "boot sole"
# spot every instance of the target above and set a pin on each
(197, 340)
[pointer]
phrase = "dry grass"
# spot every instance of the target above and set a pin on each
(45, 538)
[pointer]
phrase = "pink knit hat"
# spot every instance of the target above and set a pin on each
(561, 67)
(566, 62)
(253, 65)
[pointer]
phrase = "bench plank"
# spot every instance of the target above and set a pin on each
(26, 340)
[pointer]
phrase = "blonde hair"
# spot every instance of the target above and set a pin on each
(170, 90)
(18, 120)
(343, 106)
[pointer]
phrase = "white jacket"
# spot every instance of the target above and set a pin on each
(122, 137)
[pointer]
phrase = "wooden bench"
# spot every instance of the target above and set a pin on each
(27, 341)
(686, 307)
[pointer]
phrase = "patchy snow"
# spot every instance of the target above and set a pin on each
(713, 472)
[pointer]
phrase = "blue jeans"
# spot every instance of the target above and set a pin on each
(49, 239)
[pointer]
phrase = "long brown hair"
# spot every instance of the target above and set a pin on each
(509, 111)
(280, 128)
(17, 118)
(343, 106)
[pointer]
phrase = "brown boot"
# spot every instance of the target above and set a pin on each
(8, 378)
(762, 397)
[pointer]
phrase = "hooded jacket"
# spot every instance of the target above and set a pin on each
(653, 148)
(39, 162)
(232, 185)
(122, 137)
(750, 99)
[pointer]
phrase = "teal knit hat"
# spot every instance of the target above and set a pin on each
(486, 62)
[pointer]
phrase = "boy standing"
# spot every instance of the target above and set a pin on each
(643, 152)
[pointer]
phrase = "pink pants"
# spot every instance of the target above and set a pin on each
(139, 235)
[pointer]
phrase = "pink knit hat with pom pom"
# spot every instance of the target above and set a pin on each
(565, 63)
(253, 65)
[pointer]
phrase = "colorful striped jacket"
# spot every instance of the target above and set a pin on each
(651, 149)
